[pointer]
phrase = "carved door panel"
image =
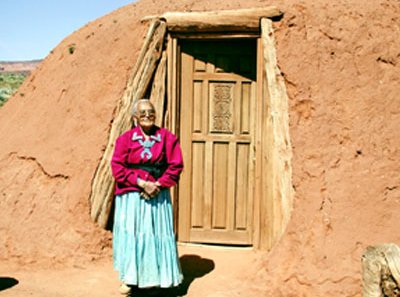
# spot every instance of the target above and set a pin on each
(217, 127)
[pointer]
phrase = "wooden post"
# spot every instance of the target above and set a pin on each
(103, 182)
(170, 116)
(277, 172)
(158, 90)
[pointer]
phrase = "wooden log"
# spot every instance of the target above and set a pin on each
(218, 21)
(103, 182)
(172, 100)
(390, 288)
(216, 35)
(259, 185)
(381, 271)
(276, 208)
(170, 113)
(158, 90)
(141, 80)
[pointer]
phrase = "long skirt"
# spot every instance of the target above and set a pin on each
(144, 245)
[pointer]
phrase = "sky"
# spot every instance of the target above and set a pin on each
(30, 29)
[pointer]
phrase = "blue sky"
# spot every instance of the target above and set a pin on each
(30, 29)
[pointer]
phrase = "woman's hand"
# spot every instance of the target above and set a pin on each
(150, 189)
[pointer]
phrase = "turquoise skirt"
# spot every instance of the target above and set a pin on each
(144, 245)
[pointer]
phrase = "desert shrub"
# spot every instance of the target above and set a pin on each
(71, 48)
(5, 93)
(9, 84)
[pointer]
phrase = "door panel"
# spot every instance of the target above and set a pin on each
(218, 94)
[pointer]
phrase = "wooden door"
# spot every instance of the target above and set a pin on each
(217, 128)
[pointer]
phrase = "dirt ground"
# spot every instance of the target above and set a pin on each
(208, 271)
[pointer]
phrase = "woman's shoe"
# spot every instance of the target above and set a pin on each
(124, 289)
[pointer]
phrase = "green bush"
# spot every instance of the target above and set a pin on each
(9, 84)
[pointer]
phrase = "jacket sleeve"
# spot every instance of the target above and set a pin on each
(173, 155)
(119, 166)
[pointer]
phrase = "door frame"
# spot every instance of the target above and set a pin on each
(274, 191)
(173, 118)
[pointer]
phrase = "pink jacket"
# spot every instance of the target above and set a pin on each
(131, 149)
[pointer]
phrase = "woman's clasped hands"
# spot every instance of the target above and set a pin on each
(150, 189)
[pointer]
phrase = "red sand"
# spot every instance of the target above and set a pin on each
(341, 62)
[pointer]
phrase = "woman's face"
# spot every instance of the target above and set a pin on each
(146, 115)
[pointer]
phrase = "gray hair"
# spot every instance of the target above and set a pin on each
(137, 102)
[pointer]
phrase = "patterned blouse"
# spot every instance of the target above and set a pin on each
(157, 159)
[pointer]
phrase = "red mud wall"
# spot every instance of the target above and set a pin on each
(53, 132)
(341, 62)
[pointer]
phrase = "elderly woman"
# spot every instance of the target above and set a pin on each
(147, 161)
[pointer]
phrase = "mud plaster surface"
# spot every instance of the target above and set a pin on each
(340, 61)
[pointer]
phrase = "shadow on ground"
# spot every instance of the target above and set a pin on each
(193, 266)
(7, 282)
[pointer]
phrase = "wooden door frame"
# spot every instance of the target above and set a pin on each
(273, 198)
(173, 118)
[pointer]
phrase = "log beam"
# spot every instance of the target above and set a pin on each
(276, 205)
(157, 96)
(237, 20)
(101, 196)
